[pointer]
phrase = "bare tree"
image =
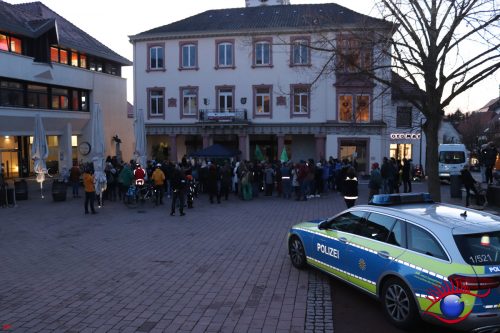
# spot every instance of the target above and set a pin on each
(471, 129)
(445, 47)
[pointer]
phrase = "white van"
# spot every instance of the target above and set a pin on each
(452, 159)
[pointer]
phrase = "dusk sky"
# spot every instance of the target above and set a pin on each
(112, 21)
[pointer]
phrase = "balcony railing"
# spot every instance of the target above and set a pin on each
(222, 116)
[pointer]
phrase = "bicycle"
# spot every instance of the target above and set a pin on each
(139, 195)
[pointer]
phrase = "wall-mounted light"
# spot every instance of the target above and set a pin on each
(7, 137)
(206, 101)
(74, 141)
(243, 100)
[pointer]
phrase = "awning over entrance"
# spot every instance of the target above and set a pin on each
(19, 122)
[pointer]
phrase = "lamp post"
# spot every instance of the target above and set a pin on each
(420, 146)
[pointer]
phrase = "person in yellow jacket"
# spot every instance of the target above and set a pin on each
(159, 183)
(88, 184)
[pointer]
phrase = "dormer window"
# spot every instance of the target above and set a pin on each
(10, 44)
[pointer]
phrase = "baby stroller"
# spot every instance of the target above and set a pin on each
(481, 199)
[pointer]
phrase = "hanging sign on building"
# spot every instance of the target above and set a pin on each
(405, 136)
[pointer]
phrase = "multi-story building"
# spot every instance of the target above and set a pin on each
(252, 76)
(50, 67)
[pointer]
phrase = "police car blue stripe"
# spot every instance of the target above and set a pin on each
(399, 261)
(342, 271)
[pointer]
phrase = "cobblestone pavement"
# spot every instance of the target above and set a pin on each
(221, 268)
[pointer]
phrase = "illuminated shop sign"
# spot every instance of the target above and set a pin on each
(406, 136)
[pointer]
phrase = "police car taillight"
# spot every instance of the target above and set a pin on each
(473, 282)
(400, 198)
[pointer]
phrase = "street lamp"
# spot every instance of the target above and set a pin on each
(421, 134)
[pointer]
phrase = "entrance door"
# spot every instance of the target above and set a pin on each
(9, 158)
(355, 150)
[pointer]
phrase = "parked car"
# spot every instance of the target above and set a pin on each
(421, 259)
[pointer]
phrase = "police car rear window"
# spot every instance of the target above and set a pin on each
(480, 249)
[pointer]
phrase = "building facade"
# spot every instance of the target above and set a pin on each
(255, 76)
(50, 67)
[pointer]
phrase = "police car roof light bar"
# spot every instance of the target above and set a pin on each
(400, 199)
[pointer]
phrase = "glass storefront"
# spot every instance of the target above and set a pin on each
(9, 156)
(401, 150)
(355, 150)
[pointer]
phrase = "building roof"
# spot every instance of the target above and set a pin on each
(482, 119)
(264, 19)
(404, 89)
(34, 19)
(491, 105)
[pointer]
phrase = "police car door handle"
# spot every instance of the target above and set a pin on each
(343, 240)
(383, 254)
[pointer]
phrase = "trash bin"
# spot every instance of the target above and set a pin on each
(59, 190)
(456, 186)
(21, 189)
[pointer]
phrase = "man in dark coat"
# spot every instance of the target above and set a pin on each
(469, 184)
(406, 175)
(490, 156)
(178, 190)
(213, 182)
(350, 188)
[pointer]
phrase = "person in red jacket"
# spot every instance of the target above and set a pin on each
(139, 175)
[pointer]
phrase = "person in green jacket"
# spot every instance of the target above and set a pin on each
(125, 179)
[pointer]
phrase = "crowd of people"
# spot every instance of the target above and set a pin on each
(387, 179)
(301, 181)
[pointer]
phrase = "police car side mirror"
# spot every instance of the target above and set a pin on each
(323, 225)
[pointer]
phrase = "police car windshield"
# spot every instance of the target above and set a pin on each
(480, 249)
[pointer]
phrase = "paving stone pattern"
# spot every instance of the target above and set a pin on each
(221, 268)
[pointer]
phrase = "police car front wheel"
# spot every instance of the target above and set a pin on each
(399, 304)
(297, 253)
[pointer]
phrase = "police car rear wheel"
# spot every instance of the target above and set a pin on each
(297, 253)
(399, 305)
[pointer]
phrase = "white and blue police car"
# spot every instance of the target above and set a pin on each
(423, 260)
